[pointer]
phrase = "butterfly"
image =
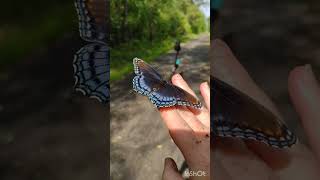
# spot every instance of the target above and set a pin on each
(91, 63)
(148, 82)
(238, 115)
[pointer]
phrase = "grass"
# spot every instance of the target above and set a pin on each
(121, 56)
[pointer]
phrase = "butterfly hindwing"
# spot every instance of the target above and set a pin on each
(91, 71)
(91, 62)
(93, 20)
(157, 91)
(238, 115)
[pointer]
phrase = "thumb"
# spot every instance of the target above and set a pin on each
(170, 171)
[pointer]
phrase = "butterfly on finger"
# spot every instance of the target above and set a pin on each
(148, 82)
(237, 115)
(91, 63)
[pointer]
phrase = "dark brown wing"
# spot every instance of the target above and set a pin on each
(142, 68)
(238, 115)
(93, 20)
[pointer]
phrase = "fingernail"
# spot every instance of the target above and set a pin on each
(308, 69)
(207, 85)
(177, 76)
(169, 163)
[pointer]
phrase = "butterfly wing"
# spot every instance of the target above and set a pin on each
(183, 98)
(91, 71)
(142, 68)
(148, 82)
(148, 86)
(237, 115)
(93, 20)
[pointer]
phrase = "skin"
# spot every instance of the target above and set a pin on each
(238, 159)
(189, 129)
(252, 160)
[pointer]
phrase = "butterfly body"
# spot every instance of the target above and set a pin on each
(91, 63)
(238, 115)
(161, 93)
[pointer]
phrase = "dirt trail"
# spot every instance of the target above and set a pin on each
(139, 140)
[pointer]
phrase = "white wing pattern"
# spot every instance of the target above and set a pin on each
(237, 115)
(91, 63)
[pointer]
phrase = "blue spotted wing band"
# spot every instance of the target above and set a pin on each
(91, 63)
(149, 82)
(91, 71)
(237, 115)
(93, 20)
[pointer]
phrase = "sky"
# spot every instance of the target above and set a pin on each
(205, 10)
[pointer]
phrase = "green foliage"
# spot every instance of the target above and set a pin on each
(154, 19)
(148, 28)
(142, 28)
(122, 56)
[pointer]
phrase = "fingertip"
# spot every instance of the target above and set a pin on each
(170, 171)
(205, 92)
(176, 78)
(295, 75)
(304, 91)
(218, 42)
(204, 86)
(169, 163)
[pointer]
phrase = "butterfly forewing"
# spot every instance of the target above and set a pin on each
(186, 99)
(237, 115)
(142, 68)
(93, 20)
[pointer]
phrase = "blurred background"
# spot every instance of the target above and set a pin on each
(47, 131)
(270, 38)
(148, 29)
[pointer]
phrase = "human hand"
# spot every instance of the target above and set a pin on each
(238, 159)
(189, 129)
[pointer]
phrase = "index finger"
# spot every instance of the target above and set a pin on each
(203, 113)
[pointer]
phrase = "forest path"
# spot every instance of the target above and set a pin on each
(139, 139)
